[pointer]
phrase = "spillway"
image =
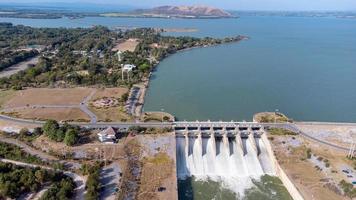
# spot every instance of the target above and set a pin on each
(232, 159)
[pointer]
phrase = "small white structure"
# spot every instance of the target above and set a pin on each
(352, 150)
(127, 68)
(119, 56)
(108, 135)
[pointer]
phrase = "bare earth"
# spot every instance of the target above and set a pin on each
(110, 92)
(341, 135)
(115, 113)
(6, 95)
(62, 104)
(127, 45)
(311, 182)
(112, 114)
(59, 114)
(158, 169)
(7, 126)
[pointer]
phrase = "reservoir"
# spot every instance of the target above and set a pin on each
(303, 66)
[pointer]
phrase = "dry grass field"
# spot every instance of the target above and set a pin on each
(47, 96)
(59, 114)
(20, 104)
(5, 96)
(112, 114)
(155, 171)
(312, 182)
(127, 45)
(109, 92)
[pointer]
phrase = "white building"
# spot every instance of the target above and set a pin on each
(108, 135)
(127, 68)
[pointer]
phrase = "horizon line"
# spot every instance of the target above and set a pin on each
(142, 7)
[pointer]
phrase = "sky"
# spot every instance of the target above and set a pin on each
(348, 5)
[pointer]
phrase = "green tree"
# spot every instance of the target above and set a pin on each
(71, 137)
(50, 127)
(144, 67)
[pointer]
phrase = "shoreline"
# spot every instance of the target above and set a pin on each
(146, 83)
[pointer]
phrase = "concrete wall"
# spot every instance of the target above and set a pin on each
(293, 191)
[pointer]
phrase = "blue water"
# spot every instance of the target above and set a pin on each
(305, 67)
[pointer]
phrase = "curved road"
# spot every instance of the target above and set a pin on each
(294, 128)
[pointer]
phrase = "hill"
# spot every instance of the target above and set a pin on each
(184, 11)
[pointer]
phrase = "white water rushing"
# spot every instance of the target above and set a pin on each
(232, 161)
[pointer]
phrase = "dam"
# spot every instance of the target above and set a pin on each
(231, 153)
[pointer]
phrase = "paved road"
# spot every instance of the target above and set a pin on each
(294, 128)
(18, 67)
(78, 180)
(290, 126)
(84, 107)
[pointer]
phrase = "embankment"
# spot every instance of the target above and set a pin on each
(293, 191)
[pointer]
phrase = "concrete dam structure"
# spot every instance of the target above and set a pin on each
(232, 154)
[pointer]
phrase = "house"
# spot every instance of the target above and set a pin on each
(108, 135)
(128, 67)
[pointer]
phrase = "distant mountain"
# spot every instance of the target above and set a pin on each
(184, 11)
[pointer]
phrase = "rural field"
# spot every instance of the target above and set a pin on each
(47, 96)
(113, 112)
(59, 114)
(65, 104)
(127, 45)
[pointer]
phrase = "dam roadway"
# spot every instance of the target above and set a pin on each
(197, 124)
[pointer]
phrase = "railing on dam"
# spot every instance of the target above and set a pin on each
(218, 129)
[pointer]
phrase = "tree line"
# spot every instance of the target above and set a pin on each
(67, 133)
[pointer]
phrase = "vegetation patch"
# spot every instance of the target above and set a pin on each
(15, 181)
(66, 133)
(280, 131)
(271, 117)
(93, 185)
(348, 189)
(155, 170)
(69, 51)
(159, 159)
(12, 152)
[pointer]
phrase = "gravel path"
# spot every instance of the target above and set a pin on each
(18, 67)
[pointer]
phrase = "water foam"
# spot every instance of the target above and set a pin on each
(232, 161)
